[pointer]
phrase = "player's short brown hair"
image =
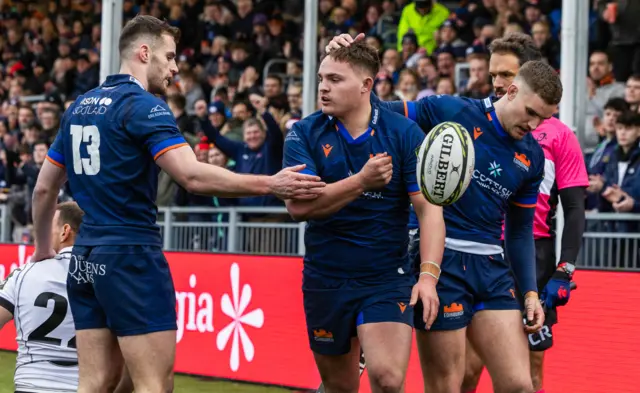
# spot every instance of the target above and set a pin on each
(519, 44)
(358, 54)
(147, 25)
(70, 213)
(543, 80)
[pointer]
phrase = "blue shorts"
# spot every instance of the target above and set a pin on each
(127, 289)
(335, 307)
(470, 283)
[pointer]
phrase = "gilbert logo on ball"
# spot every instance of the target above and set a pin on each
(445, 165)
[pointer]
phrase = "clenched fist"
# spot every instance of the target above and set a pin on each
(376, 173)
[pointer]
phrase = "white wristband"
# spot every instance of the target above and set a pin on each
(429, 273)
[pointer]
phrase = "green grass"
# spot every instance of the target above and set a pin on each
(183, 384)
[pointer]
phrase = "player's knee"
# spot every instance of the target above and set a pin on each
(388, 379)
(471, 378)
(522, 385)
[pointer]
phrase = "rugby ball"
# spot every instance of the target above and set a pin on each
(446, 161)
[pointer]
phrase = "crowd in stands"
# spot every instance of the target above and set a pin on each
(240, 65)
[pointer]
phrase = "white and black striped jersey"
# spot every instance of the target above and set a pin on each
(36, 295)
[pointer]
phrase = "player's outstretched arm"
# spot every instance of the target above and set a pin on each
(374, 175)
(205, 179)
(432, 226)
(45, 196)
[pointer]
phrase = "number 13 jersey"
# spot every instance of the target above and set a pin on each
(36, 295)
(108, 142)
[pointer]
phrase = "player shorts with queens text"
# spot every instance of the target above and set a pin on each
(335, 307)
(127, 289)
(469, 283)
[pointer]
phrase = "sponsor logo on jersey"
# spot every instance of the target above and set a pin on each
(292, 136)
(521, 161)
(476, 132)
(83, 271)
(157, 111)
(485, 181)
(327, 149)
(494, 169)
(93, 106)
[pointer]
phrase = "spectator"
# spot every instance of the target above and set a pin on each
(548, 46)
(449, 40)
(602, 86)
(428, 75)
(424, 17)
(260, 153)
(384, 87)
(186, 123)
(86, 78)
(191, 91)
(622, 172)
(607, 131)
(408, 85)
(479, 84)
(632, 92)
(622, 17)
(446, 63)
(446, 86)
(217, 115)
(294, 97)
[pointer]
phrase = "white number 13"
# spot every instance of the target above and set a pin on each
(91, 135)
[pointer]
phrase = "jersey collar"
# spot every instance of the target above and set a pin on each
(490, 111)
(66, 249)
(373, 124)
(117, 79)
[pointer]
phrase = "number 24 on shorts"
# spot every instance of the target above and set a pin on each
(91, 136)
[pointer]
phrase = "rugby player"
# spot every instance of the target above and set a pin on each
(110, 144)
(476, 286)
(565, 177)
(357, 283)
(35, 297)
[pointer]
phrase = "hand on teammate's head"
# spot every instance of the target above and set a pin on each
(342, 40)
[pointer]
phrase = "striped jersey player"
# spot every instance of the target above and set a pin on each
(35, 297)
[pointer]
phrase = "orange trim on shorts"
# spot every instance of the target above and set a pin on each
(523, 205)
(489, 117)
(56, 163)
(415, 193)
(166, 149)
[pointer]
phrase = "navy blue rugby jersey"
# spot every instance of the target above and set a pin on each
(108, 142)
(506, 170)
(369, 236)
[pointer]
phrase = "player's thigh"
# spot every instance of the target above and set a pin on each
(536, 359)
(138, 277)
(498, 337)
(385, 322)
(442, 359)
(387, 347)
(99, 360)
(472, 369)
(149, 359)
(330, 314)
(340, 373)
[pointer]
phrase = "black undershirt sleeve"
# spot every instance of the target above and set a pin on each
(572, 200)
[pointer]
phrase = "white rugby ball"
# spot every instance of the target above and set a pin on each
(446, 161)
